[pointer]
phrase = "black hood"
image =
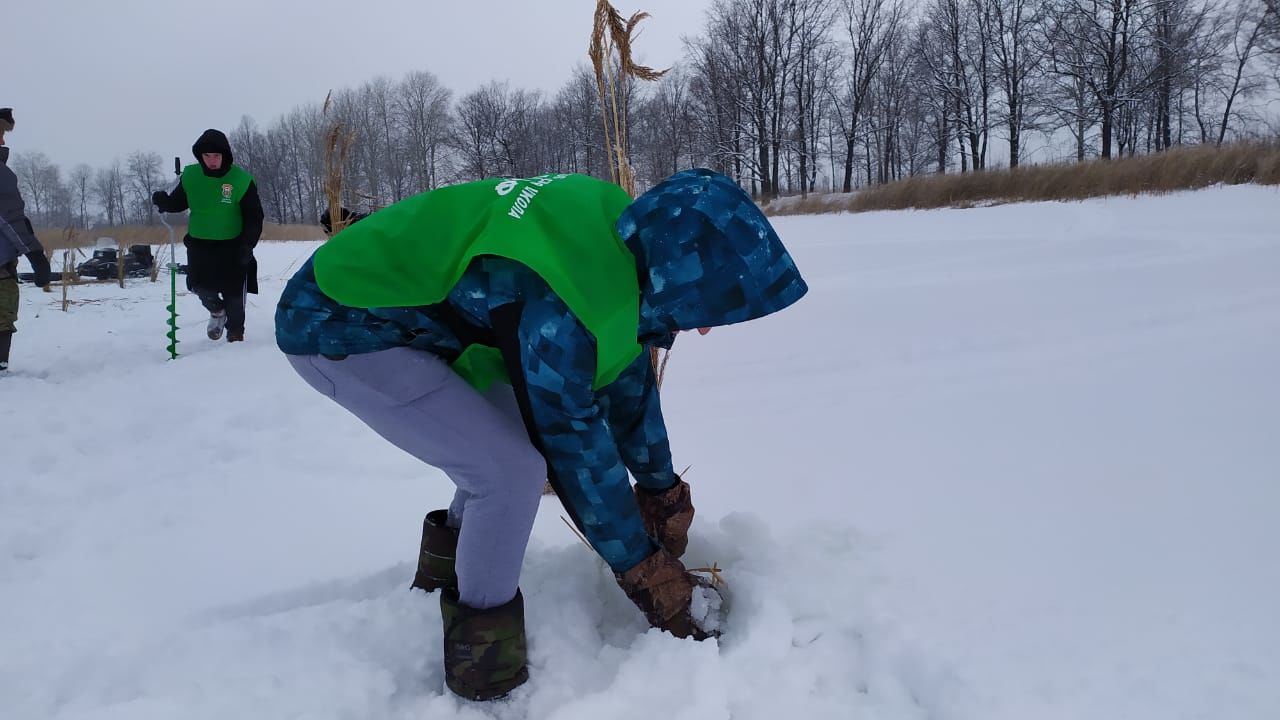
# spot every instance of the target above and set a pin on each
(4, 154)
(213, 141)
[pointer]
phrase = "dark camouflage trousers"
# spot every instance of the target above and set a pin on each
(8, 301)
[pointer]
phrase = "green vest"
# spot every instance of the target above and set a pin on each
(215, 202)
(560, 226)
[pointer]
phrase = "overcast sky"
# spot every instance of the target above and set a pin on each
(93, 80)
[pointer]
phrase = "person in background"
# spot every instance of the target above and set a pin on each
(224, 228)
(17, 238)
(346, 217)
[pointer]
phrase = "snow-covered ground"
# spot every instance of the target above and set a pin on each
(1006, 463)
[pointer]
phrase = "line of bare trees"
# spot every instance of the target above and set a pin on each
(787, 96)
(876, 90)
(115, 195)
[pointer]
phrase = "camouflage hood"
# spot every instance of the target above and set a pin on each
(706, 256)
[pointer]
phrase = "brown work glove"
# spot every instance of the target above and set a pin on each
(667, 515)
(665, 592)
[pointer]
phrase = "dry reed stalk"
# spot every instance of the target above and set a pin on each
(575, 532)
(338, 139)
(612, 40)
(120, 255)
(66, 268)
(68, 264)
(717, 579)
(599, 55)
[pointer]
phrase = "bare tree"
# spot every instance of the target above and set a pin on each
(494, 131)
(144, 176)
(1181, 41)
(108, 189)
(957, 51)
(1100, 37)
(870, 27)
(81, 184)
(662, 136)
(1270, 36)
(1068, 97)
(580, 132)
(755, 38)
(264, 155)
(898, 142)
(809, 20)
(422, 109)
(39, 180)
(1247, 31)
(1019, 67)
(380, 169)
(715, 88)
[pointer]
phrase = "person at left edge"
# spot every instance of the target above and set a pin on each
(224, 228)
(17, 237)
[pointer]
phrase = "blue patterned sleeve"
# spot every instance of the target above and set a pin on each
(559, 361)
(635, 419)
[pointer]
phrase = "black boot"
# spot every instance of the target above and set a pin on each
(485, 655)
(6, 340)
(439, 550)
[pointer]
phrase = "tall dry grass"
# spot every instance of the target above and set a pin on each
(338, 141)
(56, 238)
(612, 42)
(1179, 169)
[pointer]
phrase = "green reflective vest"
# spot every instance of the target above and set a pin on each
(215, 202)
(560, 226)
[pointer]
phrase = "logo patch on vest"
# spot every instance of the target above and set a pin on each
(226, 193)
(531, 190)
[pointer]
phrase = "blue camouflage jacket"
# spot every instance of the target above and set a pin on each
(706, 256)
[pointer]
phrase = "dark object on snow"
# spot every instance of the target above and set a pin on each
(40, 266)
(6, 340)
(349, 217)
(104, 266)
(437, 555)
(30, 278)
(485, 655)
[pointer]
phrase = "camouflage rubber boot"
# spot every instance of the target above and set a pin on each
(485, 656)
(436, 558)
(664, 591)
(667, 515)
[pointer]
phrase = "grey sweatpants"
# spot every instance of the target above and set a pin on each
(416, 402)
